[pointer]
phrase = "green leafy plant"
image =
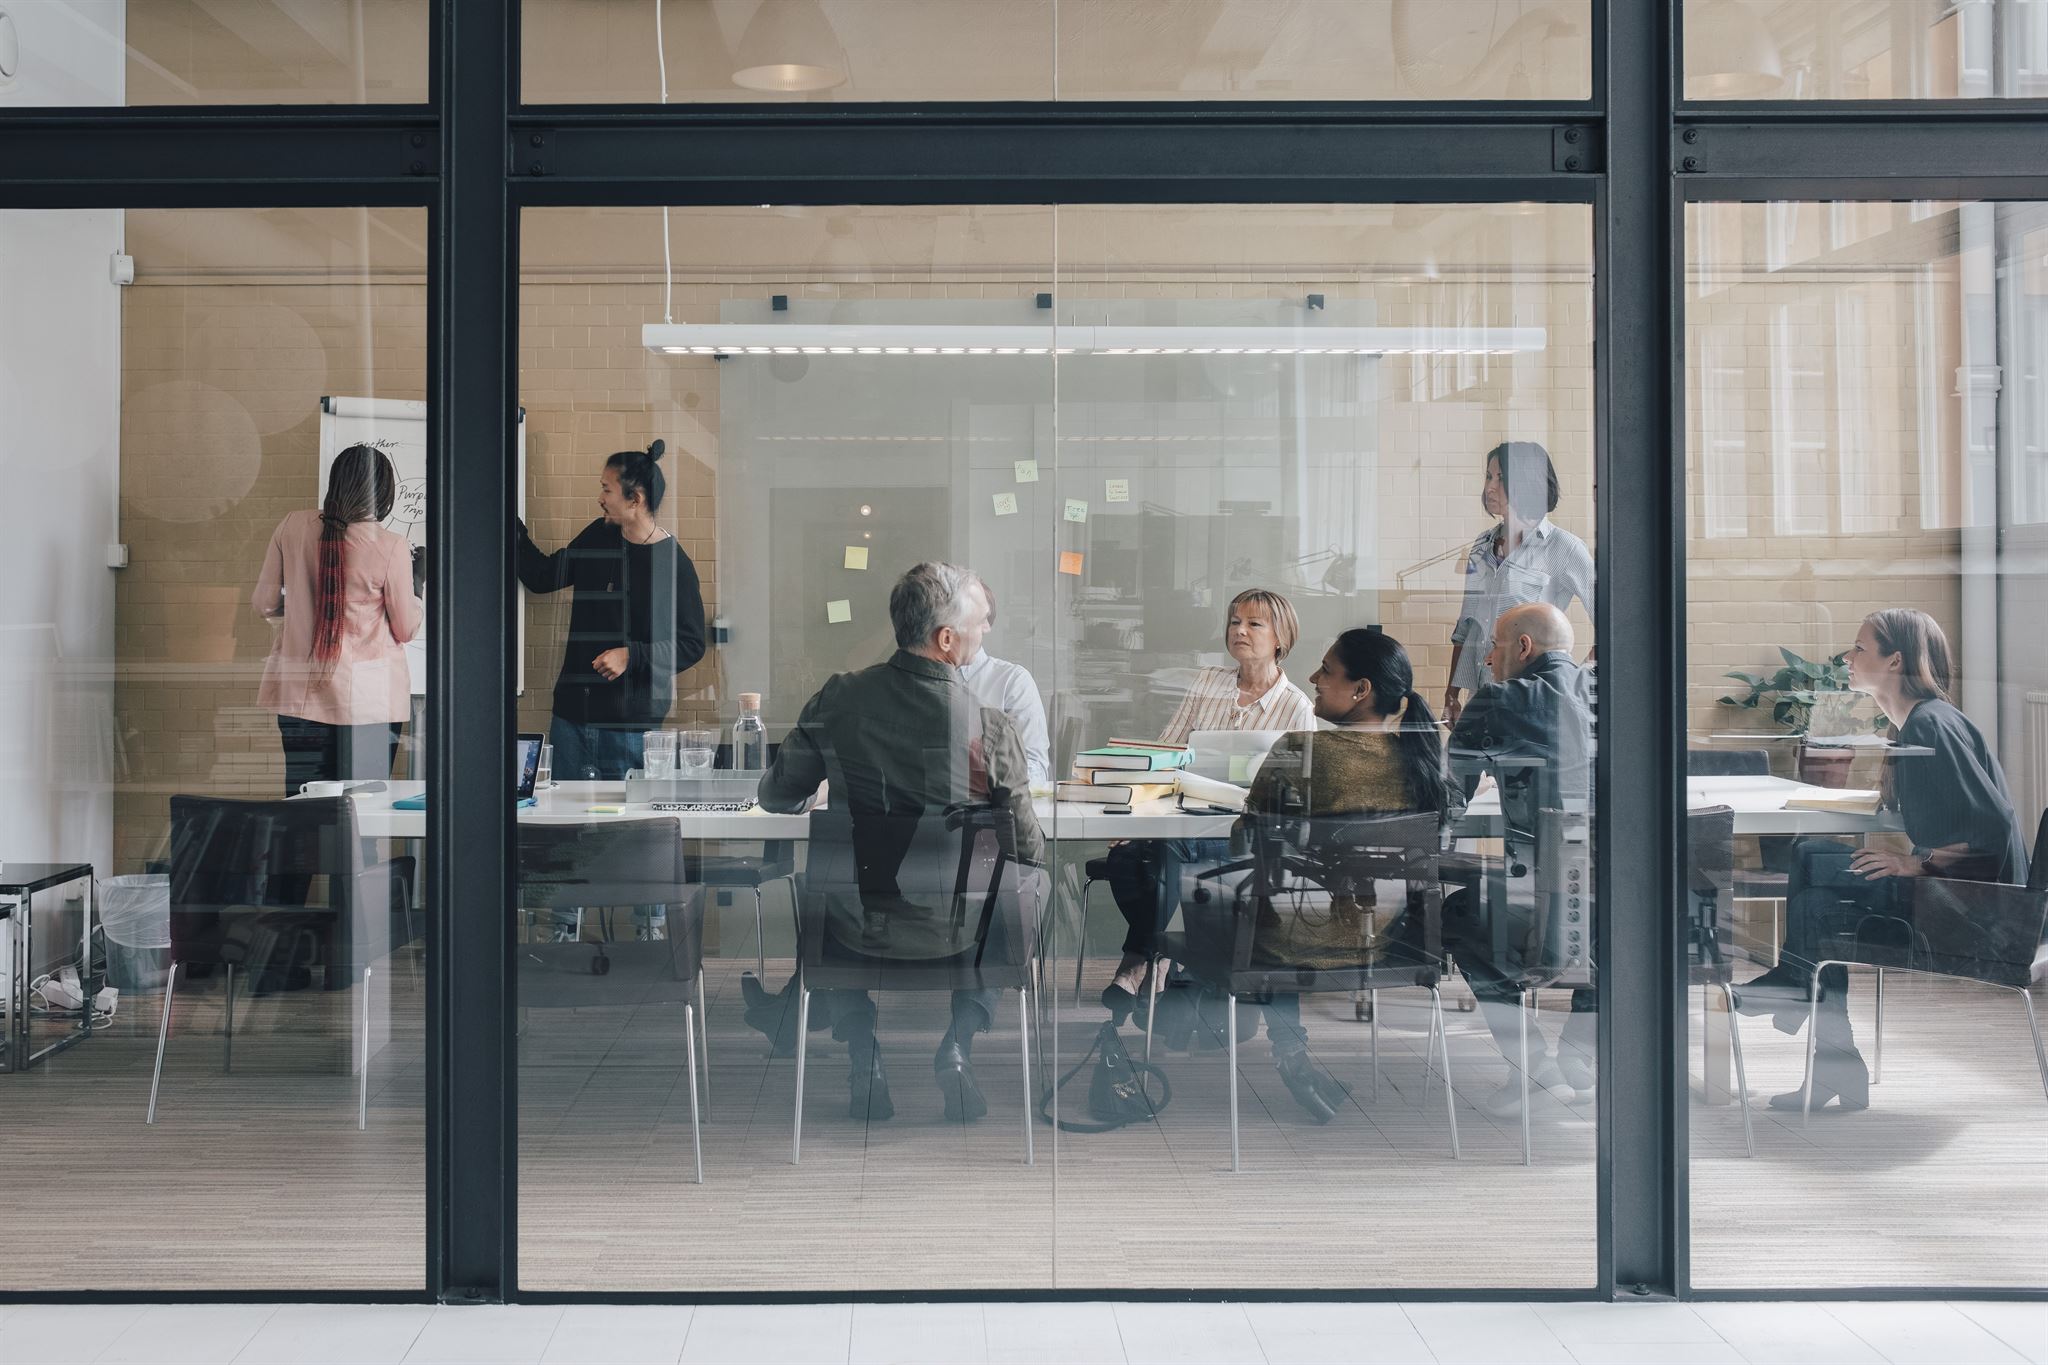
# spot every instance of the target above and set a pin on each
(1795, 689)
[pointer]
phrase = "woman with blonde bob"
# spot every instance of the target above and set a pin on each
(1250, 693)
(1951, 796)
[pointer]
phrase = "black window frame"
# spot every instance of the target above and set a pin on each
(473, 157)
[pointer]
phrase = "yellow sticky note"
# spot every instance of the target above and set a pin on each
(838, 610)
(1116, 490)
(1027, 471)
(1006, 504)
(856, 556)
(1070, 562)
(1077, 509)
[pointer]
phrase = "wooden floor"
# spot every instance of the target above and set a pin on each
(259, 1179)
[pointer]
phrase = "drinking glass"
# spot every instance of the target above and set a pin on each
(695, 752)
(544, 771)
(659, 746)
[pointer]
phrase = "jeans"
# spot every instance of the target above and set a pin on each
(599, 753)
(1144, 876)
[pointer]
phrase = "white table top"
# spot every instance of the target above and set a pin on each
(1758, 802)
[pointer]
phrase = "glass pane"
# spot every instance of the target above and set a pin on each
(165, 52)
(1868, 718)
(1116, 440)
(172, 675)
(715, 51)
(1865, 49)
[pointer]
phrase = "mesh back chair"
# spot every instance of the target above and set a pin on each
(1298, 866)
(1990, 932)
(1710, 839)
(240, 873)
(937, 901)
(620, 862)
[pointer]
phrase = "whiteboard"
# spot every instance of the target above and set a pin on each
(398, 427)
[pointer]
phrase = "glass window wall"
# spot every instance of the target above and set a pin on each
(1865, 49)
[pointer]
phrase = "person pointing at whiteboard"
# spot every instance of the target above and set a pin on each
(346, 594)
(636, 622)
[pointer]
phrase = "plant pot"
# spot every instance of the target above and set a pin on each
(1825, 767)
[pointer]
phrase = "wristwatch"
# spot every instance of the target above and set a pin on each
(1927, 867)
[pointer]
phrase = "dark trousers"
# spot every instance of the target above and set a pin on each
(1825, 906)
(317, 752)
(1144, 877)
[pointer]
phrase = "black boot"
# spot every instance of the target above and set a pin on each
(1314, 1089)
(867, 1085)
(1838, 1070)
(953, 1067)
(773, 1015)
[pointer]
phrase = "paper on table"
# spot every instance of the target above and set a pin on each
(1116, 490)
(1070, 562)
(1077, 509)
(838, 610)
(1027, 471)
(1006, 504)
(856, 556)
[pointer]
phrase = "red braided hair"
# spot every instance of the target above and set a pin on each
(361, 486)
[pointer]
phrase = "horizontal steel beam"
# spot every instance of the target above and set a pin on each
(1860, 148)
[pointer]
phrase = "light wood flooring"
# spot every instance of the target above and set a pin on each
(259, 1179)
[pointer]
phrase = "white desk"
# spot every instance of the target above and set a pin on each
(1758, 803)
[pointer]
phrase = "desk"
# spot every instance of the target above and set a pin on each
(19, 883)
(1758, 802)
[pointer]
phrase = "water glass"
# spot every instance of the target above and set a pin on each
(659, 748)
(696, 751)
(544, 772)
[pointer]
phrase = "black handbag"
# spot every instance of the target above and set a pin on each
(1119, 1090)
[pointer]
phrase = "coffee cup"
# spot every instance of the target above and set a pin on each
(323, 788)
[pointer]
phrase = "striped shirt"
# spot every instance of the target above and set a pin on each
(1211, 704)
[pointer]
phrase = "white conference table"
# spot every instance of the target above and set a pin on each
(1758, 803)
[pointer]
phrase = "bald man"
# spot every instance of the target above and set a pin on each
(1532, 731)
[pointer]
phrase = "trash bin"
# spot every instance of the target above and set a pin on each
(135, 916)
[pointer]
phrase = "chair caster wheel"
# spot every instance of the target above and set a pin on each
(1362, 1011)
(600, 966)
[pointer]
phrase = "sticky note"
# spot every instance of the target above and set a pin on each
(1241, 768)
(1116, 490)
(856, 556)
(1027, 471)
(1077, 509)
(1070, 562)
(838, 610)
(1006, 504)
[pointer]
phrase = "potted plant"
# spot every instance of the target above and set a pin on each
(1796, 692)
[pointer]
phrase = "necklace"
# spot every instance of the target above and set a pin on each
(658, 533)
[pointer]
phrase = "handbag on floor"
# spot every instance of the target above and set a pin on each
(1118, 1092)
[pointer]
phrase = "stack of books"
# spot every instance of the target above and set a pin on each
(1123, 771)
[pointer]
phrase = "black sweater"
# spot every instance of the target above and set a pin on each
(642, 597)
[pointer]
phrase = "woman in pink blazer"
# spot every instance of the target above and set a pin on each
(345, 593)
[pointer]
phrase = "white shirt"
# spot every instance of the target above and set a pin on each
(1211, 704)
(1550, 565)
(1008, 688)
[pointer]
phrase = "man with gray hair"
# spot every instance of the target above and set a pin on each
(904, 745)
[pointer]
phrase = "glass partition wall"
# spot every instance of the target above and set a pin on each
(1269, 486)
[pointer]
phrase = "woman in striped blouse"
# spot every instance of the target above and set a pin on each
(1252, 694)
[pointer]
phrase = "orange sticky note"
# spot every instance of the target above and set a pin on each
(1070, 562)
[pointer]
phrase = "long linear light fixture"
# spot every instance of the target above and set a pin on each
(797, 338)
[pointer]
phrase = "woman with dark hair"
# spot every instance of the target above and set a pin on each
(1951, 796)
(1523, 558)
(1382, 756)
(636, 622)
(345, 592)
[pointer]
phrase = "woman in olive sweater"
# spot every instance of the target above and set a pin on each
(637, 621)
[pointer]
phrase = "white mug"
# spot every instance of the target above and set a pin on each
(323, 788)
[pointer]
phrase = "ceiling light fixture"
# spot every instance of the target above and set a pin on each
(947, 339)
(789, 48)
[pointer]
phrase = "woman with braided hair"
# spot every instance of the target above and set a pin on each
(345, 594)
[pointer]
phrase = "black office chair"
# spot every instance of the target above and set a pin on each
(619, 862)
(240, 874)
(1750, 883)
(1298, 864)
(1710, 841)
(942, 889)
(1990, 932)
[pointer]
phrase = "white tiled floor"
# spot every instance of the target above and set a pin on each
(1056, 1333)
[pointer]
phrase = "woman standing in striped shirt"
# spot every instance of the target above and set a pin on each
(1144, 875)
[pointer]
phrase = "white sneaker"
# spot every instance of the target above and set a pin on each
(1506, 1102)
(1578, 1071)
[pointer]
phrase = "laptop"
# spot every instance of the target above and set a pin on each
(1230, 755)
(715, 791)
(525, 772)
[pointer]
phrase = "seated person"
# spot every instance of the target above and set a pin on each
(1009, 688)
(1954, 804)
(870, 734)
(1382, 758)
(1532, 732)
(1259, 630)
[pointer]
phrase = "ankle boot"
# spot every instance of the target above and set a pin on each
(953, 1069)
(867, 1085)
(1307, 1085)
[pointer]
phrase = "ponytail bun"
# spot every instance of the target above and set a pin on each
(655, 448)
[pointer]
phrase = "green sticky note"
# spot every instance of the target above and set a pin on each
(1006, 504)
(1240, 768)
(1116, 490)
(856, 556)
(1027, 471)
(1077, 509)
(838, 611)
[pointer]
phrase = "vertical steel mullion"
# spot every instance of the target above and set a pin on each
(1639, 610)
(470, 825)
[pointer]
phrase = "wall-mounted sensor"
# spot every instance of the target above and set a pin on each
(10, 49)
(117, 556)
(121, 268)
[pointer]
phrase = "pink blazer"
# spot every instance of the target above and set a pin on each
(368, 681)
